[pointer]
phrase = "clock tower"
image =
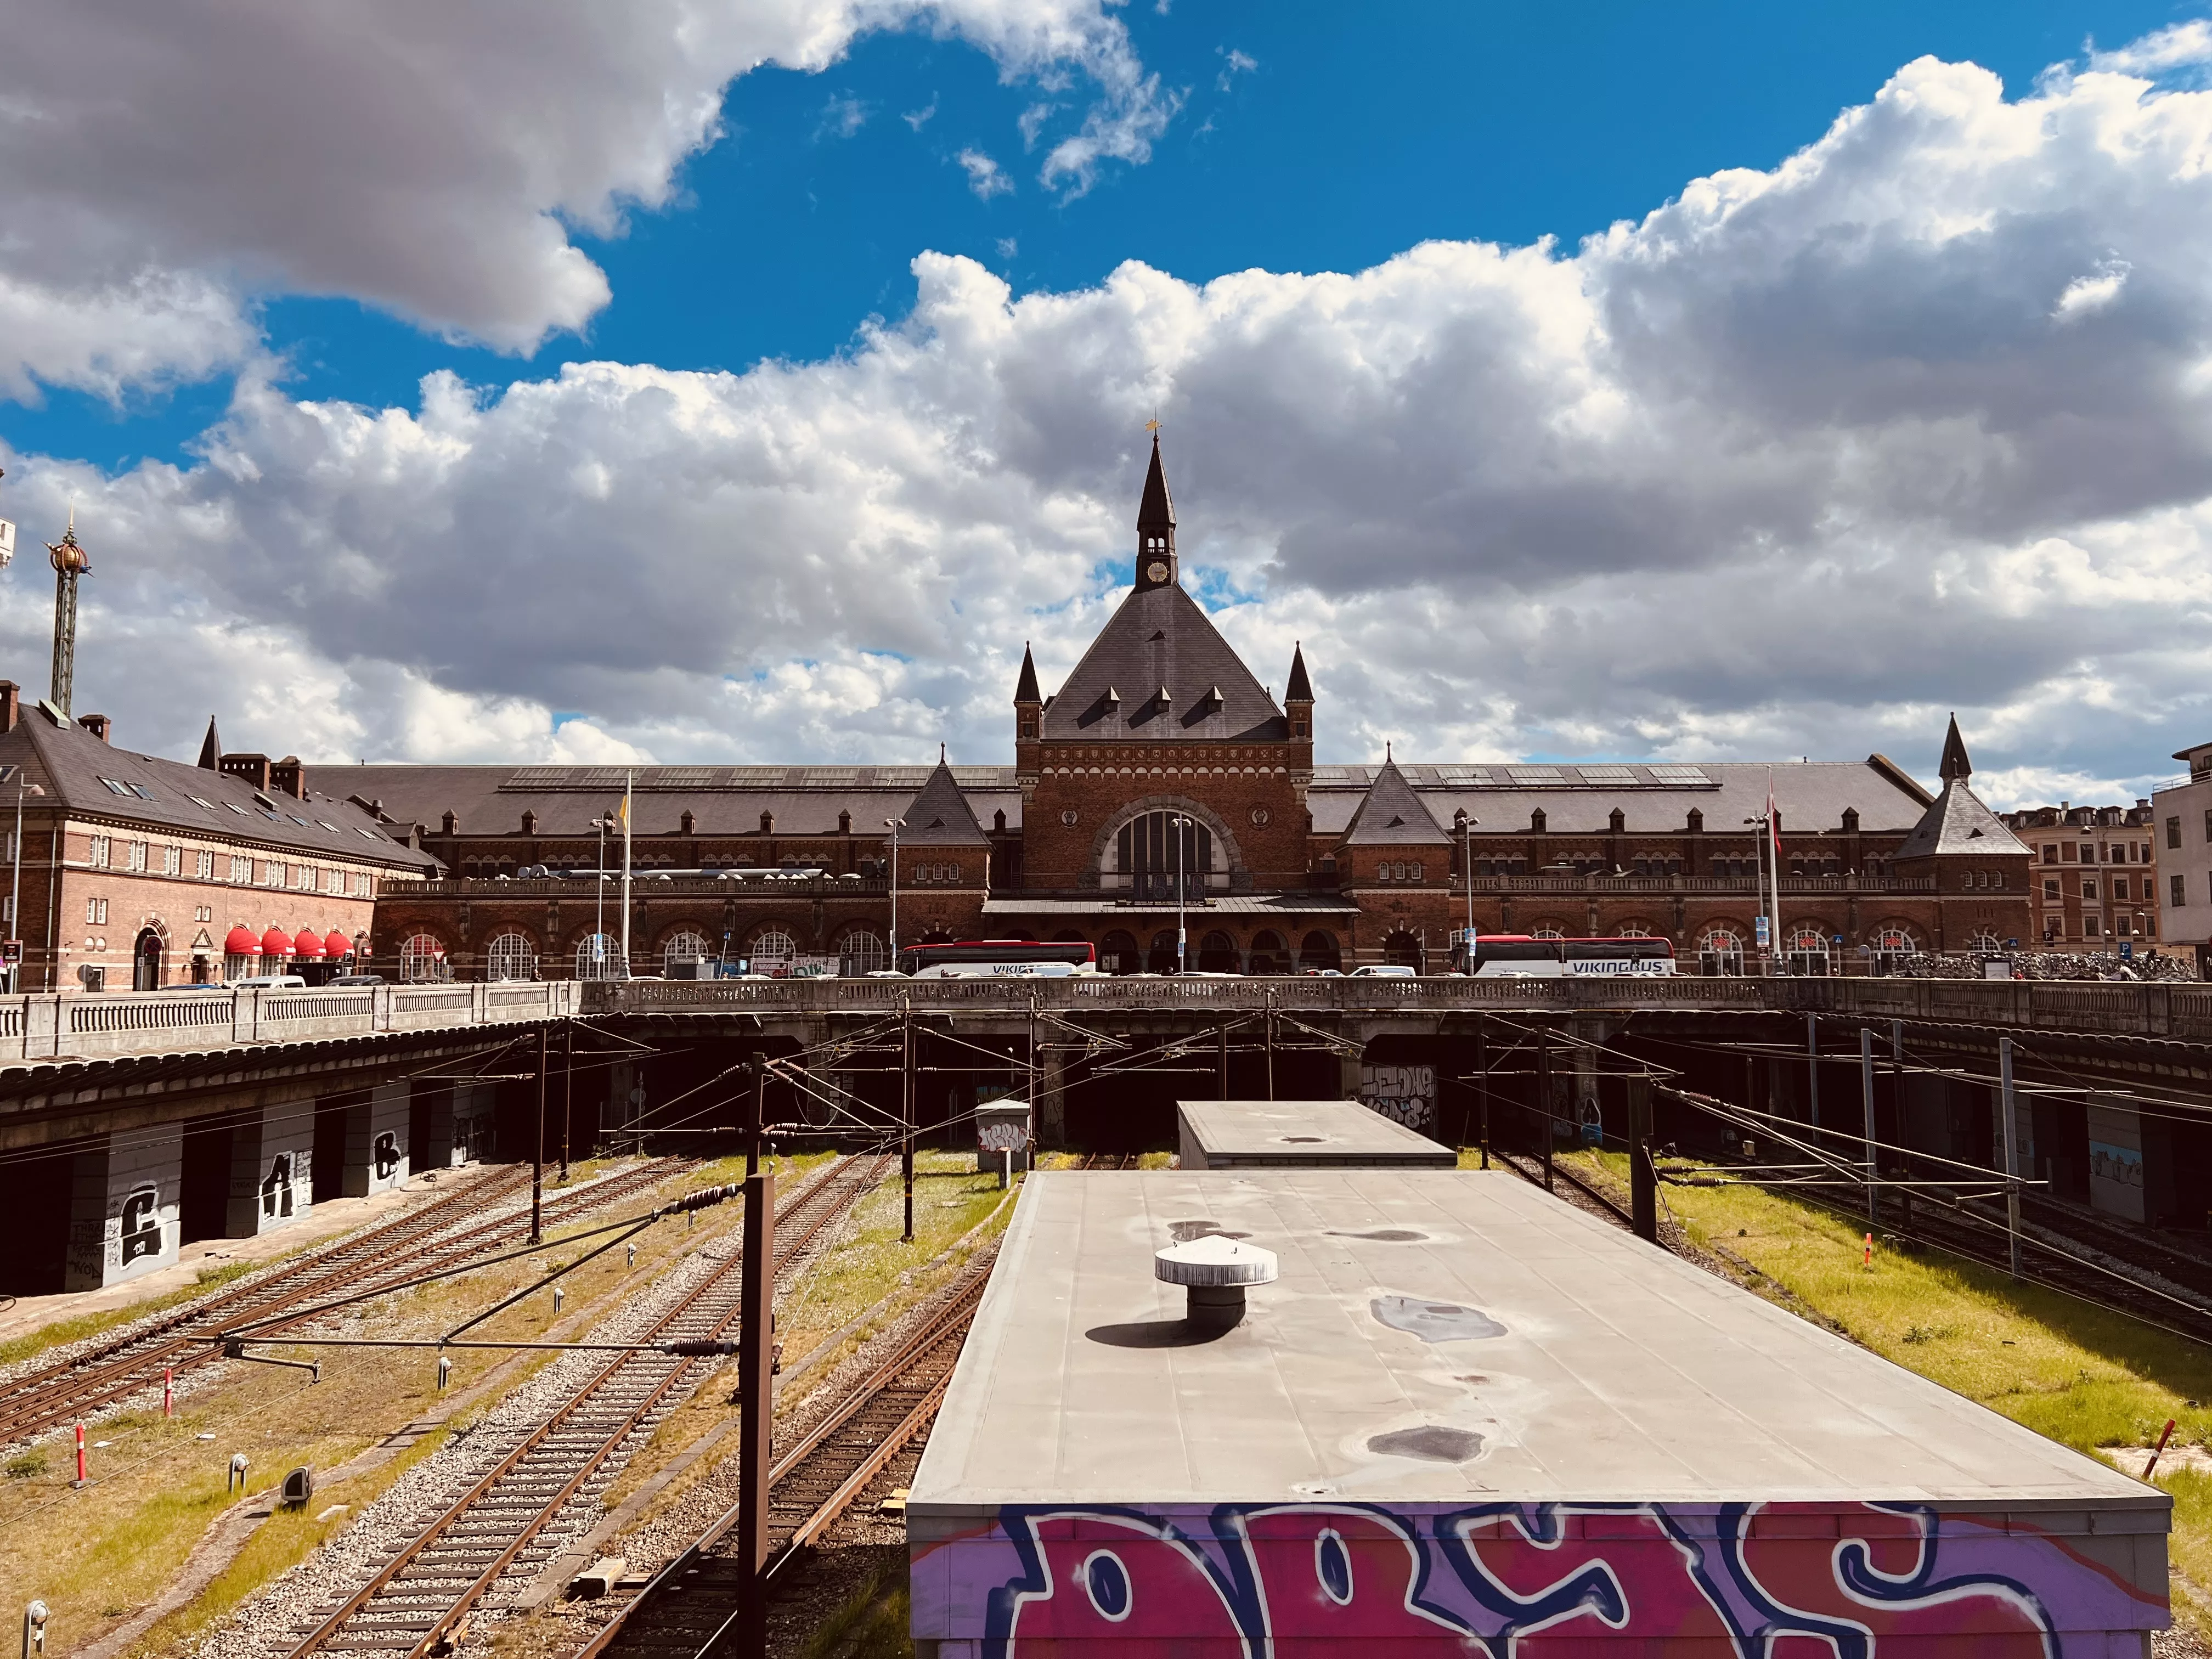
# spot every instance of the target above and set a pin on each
(1156, 547)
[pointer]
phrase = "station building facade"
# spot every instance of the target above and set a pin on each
(1161, 767)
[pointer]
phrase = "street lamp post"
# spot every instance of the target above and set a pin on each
(630, 780)
(1182, 825)
(1467, 874)
(603, 823)
(895, 825)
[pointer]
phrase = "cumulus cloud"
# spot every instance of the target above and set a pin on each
(160, 165)
(985, 176)
(1797, 464)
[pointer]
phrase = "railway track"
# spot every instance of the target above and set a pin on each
(433, 1238)
(1531, 1169)
(685, 1610)
(419, 1599)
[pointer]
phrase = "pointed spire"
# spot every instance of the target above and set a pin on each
(1156, 527)
(1954, 763)
(1025, 689)
(211, 749)
(1300, 689)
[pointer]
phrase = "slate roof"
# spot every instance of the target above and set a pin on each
(1392, 814)
(1160, 639)
(1025, 688)
(940, 816)
(1958, 823)
(70, 764)
(1155, 509)
(1298, 688)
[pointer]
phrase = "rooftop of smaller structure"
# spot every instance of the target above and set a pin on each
(1220, 1135)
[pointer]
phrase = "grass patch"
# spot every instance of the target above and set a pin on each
(2086, 1377)
(92, 1324)
(870, 1623)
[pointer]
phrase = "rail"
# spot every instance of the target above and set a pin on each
(101, 1025)
(2183, 1011)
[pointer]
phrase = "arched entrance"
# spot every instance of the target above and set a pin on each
(1318, 950)
(1217, 954)
(146, 962)
(1162, 959)
(1267, 953)
(1117, 954)
(1402, 949)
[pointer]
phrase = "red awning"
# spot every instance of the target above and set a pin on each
(242, 943)
(274, 942)
(309, 943)
(338, 944)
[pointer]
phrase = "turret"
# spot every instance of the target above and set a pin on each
(1298, 697)
(1156, 528)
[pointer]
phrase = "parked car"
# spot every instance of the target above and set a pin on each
(270, 983)
(1383, 970)
(356, 979)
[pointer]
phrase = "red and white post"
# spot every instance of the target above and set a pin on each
(80, 1454)
(168, 1391)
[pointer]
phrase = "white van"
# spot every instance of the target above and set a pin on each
(270, 983)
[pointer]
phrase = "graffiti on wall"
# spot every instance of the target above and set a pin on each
(1775, 1580)
(1404, 1094)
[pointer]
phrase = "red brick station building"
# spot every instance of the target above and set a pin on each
(1287, 865)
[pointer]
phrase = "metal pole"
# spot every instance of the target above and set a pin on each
(759, 1113)
(15, 894)
(906, 1110)
(1897, 1108)
(1642, 1174)
(630, 780)
(1482, 1071)
(1813, 1067)
(2011, 1149)
(756, 1367)
(537, 1149)
(568, 1092)
(893, 824)
(1271, 1042)
(1221, 1064)
(1467, 859)
(1544, 1101)
(1182, 964)
(1866, 1090)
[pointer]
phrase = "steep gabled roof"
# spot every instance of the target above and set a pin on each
(1394, 816)
(1025, 689)
(1299, 688)
(1156, 510)
(211, 749)
(1959, 822)
(939, 815)
(1160, 639)
(1954, 763)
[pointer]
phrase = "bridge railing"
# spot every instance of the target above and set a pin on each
(72, 1024)
(2139, 1010)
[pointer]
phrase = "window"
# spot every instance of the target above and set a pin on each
(134, 855)
(2089, 928)
(861, 953)
(204, 864)
(2050, 890)
(241, 870)
(510, 956)
(97, 853)
(422, 958)
(1151, 853)
(236, 808)
(202, 913)
(2208, 823)
(358, 884)
(2051, 851)
(115, 787)
(334, 881)
(685, 947)
(2119, 887)
(200, 800)
(95, 913)
(141, 792)
(2179, 895)
(172, 861)
(2088, 887)
(1720, 951)
(772, 950)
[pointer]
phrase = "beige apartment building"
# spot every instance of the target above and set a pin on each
(2094, 882)
(2182, 810)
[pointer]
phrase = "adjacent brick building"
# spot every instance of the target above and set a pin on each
(145, 872)
(2095, 882)
(1163, 766)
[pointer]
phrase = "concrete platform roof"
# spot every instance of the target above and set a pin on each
(1436, 1336)
(1218, 1134)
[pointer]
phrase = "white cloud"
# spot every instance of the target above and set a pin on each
(1796, 464)
(1234, 64)
(2179, 45)
(918, 119)
(162, 165)
(842, 117)
(985, 177)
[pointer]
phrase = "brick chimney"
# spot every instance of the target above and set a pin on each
(11, 705)
(99, 725)
(254, 769)
(290, 777)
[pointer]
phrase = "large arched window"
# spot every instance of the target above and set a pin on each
(1808, 950)
(598, 956)
(1986, 943)
(1117, 954)
(686, 945)
(422, 959)
(861, 952)
(1268, 956)
(511, 956)
(1217, 954)
(772, 952)
(1151, 852)
(1402, 949)
(1318, 950)
(1720, 951)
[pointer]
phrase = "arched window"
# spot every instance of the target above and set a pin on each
(422, 959)
(511, 956)
(686, 945)
(1160, 959)
(1986, 943)
(1318, 950)
(1893, 944)
(1117, 954)
(1148, 859)
(1268, 956)
(861, 952)
(1217, 954)
(146, 961)
(772, 952)
(1402, 949)
(1808, 950)
(598, 956)
(1546, 931)
(1636, 930)
(1720, 951)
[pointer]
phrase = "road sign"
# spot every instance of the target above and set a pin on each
(1761, 927)
(11, 951)
(2127, 949)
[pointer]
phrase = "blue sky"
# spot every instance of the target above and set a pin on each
(1342, 143)
(747, 381)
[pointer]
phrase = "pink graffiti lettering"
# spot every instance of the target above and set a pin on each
(1603, 1574)
(1114, 1577)
(1329, 1576)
